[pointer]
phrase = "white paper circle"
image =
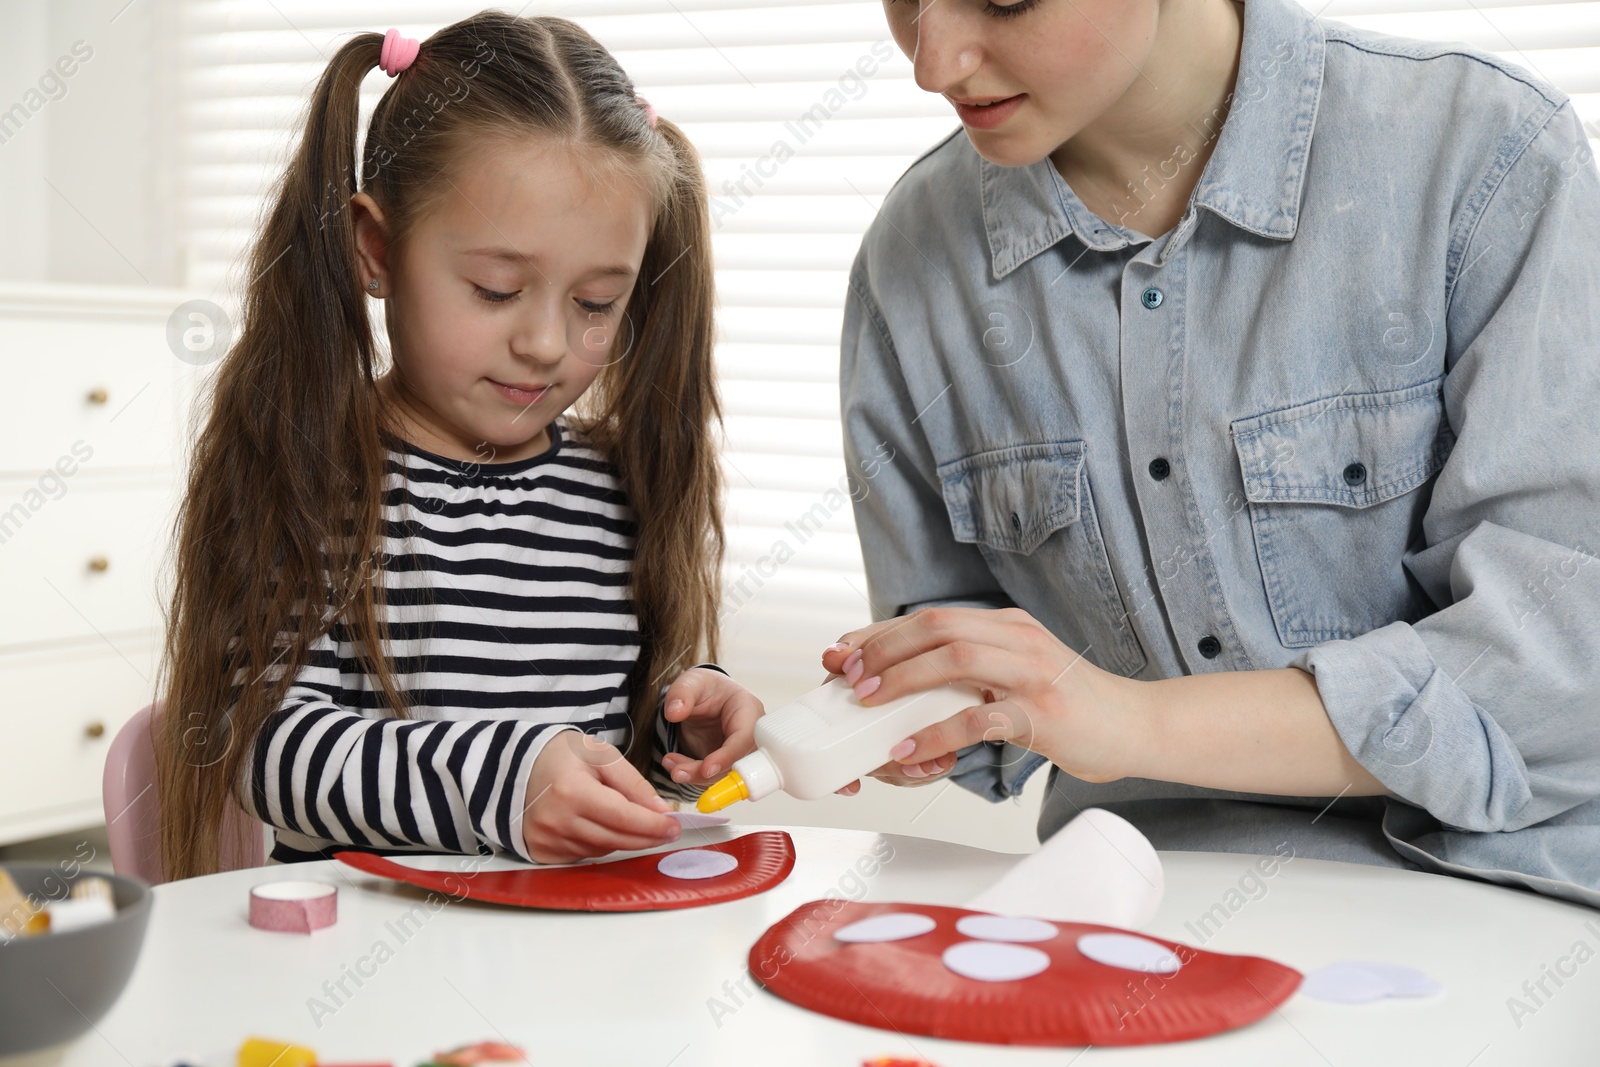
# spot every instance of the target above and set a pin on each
(1006, 928)
(990, 961)
(1130, 953)
(1347, 982)
(696, 863)
(893, 926)
(697, 820)
(1404, 981)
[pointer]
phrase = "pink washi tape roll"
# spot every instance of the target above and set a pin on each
(293, 907)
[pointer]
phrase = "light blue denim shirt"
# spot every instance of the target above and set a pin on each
(1344, 416)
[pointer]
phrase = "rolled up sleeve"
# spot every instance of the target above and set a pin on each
(1486, 713)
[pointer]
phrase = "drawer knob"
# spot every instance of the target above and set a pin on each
(99, 564)
(95, 729)
(98, 395)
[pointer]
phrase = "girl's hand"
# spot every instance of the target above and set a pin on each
(586, 799)
(717, 721)
(1038, 693)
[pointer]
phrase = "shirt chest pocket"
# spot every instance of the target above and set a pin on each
(1337, 490)
(1030, 511)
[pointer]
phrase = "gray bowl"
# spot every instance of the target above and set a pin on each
(55, 987)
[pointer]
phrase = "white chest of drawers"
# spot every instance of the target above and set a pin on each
(93, 412)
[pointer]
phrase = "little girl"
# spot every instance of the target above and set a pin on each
(424, 609)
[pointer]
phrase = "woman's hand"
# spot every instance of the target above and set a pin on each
(716, 719)
(1038, 693)
(895, 773)
(586, 799)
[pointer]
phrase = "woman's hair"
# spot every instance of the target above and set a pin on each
(280, 534)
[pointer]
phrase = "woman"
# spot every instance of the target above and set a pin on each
(1228, 384)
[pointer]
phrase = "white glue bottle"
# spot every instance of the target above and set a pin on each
(827, 739)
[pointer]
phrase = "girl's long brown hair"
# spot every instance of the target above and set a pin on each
(280, 531)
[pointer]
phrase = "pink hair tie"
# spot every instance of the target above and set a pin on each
(649, 110)
(398, 52)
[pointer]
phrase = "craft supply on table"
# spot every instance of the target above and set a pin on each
(1096, 869)
(265, 1052)
(89, 902)
(481, 1052)
(1360, 982)
(20, 915)
(1037, 958)
(827, 739)
(293, 907)
(759, 861)
(945, 984)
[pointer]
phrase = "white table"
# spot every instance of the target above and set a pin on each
(635, 990)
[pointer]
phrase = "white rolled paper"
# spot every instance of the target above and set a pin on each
(1096, 869)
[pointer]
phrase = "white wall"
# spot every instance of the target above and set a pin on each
(88, 160)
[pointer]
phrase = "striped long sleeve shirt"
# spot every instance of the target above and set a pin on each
(506, 592)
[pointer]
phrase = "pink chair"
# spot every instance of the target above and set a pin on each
(133, 811)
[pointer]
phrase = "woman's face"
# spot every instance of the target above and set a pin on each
(1025, 76)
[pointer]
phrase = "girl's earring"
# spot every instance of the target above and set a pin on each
(373, 285)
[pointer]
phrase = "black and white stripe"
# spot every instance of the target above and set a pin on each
(506, 592)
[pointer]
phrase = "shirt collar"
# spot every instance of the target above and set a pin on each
(1253, 178)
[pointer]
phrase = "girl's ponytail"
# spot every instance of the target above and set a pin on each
(278, 532)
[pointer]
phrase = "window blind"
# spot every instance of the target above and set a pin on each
(805, 114)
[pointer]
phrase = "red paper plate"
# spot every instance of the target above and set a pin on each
(765, 858)
(905, 986)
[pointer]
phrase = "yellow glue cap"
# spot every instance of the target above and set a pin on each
(262, 1052)
(728, 789)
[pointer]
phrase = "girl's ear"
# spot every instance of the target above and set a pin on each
(372, 243)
